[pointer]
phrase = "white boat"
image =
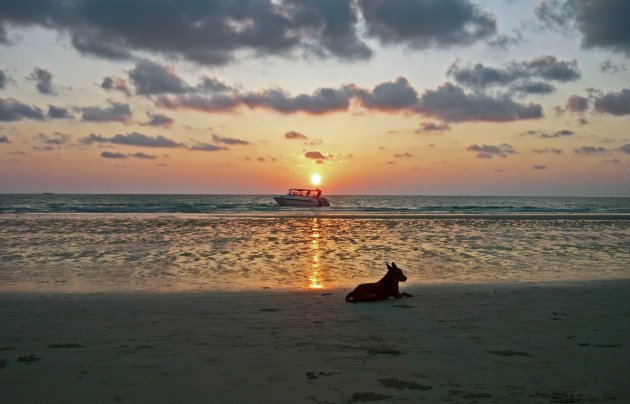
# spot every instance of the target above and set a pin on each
(302, 197)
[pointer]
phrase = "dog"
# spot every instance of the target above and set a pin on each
(384, 289)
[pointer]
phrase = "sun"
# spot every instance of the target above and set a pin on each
(316, 179)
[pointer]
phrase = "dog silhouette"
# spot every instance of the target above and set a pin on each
(383, 289)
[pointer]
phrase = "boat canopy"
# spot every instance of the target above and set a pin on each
(305, 192)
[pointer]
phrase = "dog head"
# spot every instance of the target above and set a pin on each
(395, 273)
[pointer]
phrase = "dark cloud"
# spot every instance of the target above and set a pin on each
(488, 151)
(451, 103)
(207, 147)
(56, 139)
(431, 127)
(602, 24)
(533, 87)
(4, 79)
(132, 139)
(403, 155)
(505, 41)
(425, 23)
(322, 101)
(521, 77)
(44, 81)
(591, 150)
(389, 96)
(214, 103)
(315, 155)
(113, 155)
(229, 140)
(294, 135)
(609, 67)
(614, 103)
(539, 167)
(58, 113)
(548, 135)
(116, 112)
(330, 27)
(624, 149)
(4, 139)
(547, 151)
(213, 85)
(159, 120)
(115, 84)
(13, 110)
(141, 155)
(207, 32)
(576, 103)
(151, 78)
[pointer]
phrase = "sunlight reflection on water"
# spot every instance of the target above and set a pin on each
(180, 252)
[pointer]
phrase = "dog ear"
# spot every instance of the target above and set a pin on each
(388, 267)
(394, 265)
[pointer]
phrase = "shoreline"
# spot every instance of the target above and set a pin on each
(536, 342)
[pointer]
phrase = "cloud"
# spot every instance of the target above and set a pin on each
(603, 24)
(206, 147)
(488, 151)
(56, 139)
(614, 103)
(208, 32)
(576, 103)
(13, 110)
(229, 140)
(294, 135)
(113, 155)
(547, 151)
(116, 112)
(159, 120)
(426, 23)
(609, 67)
(4, 139)
(403, 155)
(44, 81)
(523, 77)
(58, 113)
(590, 150)
(132, 139)
(539, 167)
(624, 149)
(315, 155)
(115, 84)
(389, 96)
(546, 135)
(151, 78)
(322, 101)
(451, 103)
(431, 127)
(141, 155)
(4, 79)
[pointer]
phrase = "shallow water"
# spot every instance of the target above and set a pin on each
(100, 252)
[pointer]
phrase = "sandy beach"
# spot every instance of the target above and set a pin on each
(449, 343)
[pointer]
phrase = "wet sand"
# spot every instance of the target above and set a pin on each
(449, 343)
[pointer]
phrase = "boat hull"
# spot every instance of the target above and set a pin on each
(296, 201)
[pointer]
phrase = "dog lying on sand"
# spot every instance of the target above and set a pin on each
(384, 289)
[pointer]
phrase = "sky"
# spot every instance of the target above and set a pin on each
(403, 97)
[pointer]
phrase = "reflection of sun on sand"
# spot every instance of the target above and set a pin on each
(315, 274)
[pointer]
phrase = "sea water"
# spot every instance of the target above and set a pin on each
(94, 243)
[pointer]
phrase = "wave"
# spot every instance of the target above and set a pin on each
(343, 205)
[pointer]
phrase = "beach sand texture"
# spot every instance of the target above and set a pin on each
(468, 343)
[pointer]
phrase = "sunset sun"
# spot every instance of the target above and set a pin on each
(316, 179)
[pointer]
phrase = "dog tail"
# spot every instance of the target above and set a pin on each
(350, 298)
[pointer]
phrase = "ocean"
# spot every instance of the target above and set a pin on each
(168, 243)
